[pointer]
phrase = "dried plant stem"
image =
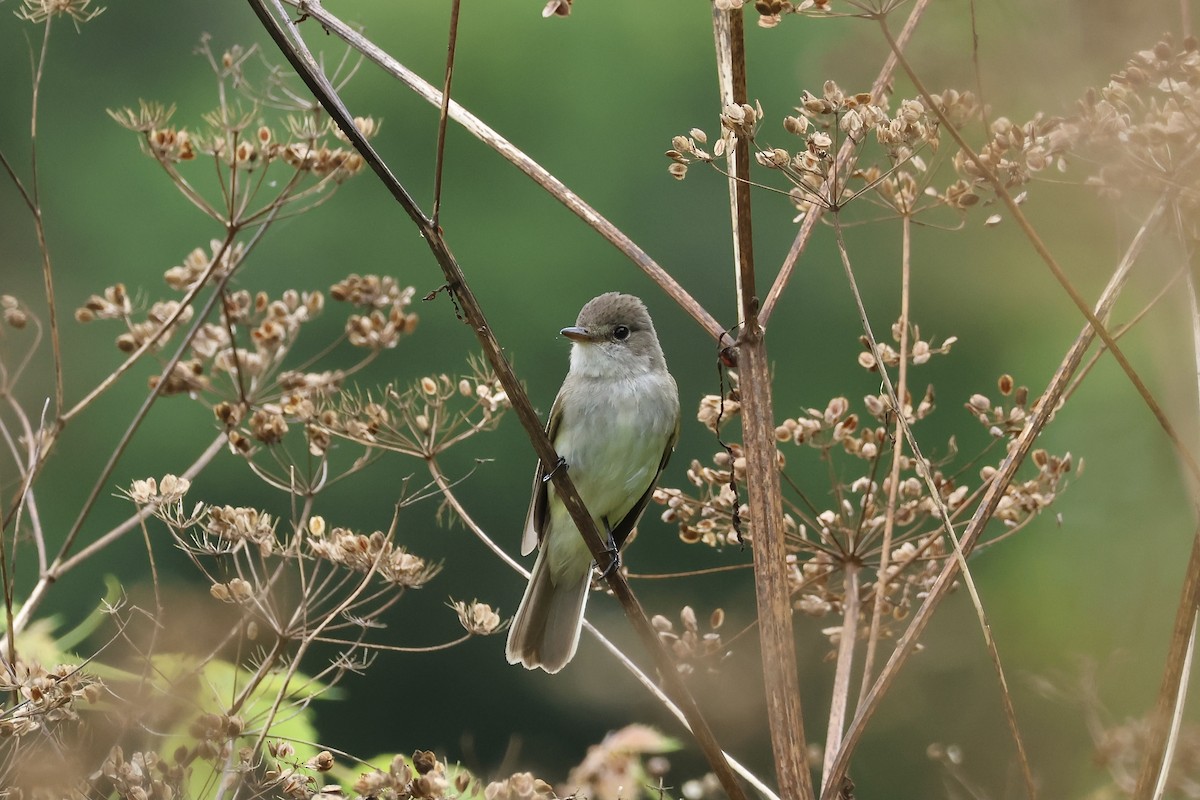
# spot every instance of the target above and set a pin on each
(889, 521)
(645, 680)
(765, 503)
(840, 698)
(1042, 410)
(843, 166)
(302, 60)
(1055, 269)
(1173, 691)
(1172, 694)
(443, 111)
(39, 227)
(556, 188)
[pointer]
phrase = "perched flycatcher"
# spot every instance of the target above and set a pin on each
(614, 423)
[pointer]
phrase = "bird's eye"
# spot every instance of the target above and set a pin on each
(620, 333)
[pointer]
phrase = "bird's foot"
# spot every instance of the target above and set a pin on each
(614, 554)
(562, 464)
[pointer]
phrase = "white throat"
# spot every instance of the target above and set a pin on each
(606, 361)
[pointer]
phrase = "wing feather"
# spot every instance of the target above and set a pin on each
(535, 519)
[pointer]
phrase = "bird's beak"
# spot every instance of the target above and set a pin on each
(577, 334)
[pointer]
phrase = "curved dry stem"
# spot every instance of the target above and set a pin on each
(542, 177)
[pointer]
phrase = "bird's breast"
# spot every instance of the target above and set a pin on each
(612, 436)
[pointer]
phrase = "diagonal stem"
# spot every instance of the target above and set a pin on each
(301, 59)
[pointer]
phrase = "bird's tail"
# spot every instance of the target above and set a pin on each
(545, 630)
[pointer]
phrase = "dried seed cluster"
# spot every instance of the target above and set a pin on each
(1141, 127)
(144, 775)
(434, 413)
(479, 619)
(426, 779)
(236, 143)
(46, 696)
(822, 121)
(364, 553)
(613, 766)
(519, 786)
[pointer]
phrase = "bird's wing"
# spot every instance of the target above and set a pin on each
(535, 520)
(622, 529)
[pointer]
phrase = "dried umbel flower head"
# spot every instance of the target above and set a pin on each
(47, 696)
(221, 260)
(242, 526)
(40, 11)
(519, 786)
(477, 618)
(168, 491)
(375, 552)
(434, 413)
(143, 775)
(691, 647)
(426, 779)
(836, 121)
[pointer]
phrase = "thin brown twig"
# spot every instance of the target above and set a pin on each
(764, 498)
(840, 695)
(443, 113)
(39, 224)
(889, 522)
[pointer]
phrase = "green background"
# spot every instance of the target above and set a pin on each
(595, 98)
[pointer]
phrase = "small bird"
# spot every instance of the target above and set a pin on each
(614, 424)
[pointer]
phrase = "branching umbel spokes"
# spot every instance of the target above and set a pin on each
(824, 541)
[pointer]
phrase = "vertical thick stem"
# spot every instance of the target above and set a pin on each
(758, 437)
(770, 568)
